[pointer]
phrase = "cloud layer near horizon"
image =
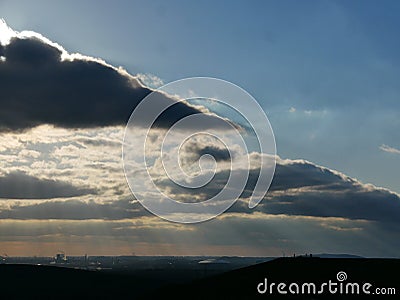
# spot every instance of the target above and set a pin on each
(306, 203)
(17, 185)
(300, 188)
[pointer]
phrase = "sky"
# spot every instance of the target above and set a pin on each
(326, 74)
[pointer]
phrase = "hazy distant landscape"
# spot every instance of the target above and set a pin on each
(200, 265)
(118, 275)
(101, 277)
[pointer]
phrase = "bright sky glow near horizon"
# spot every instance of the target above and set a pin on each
(327, 74)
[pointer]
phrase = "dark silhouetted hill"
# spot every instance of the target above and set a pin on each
(51, 282)
(242, 283)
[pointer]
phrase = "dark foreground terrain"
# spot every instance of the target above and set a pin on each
(52, 282)
(243, 283)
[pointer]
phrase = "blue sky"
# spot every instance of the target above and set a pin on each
(336, 63)
(325, 72)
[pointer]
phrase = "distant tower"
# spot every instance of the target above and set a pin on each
(60, 258)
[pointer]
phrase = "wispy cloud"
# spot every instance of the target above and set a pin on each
(150, 80)
(389, 149)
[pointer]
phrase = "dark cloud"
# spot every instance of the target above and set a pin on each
(18, 185)
(75, 210)
(354, 203)
(303, 174)
(38, 87)
(287, 176)
(218, 153)
(302, 188)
